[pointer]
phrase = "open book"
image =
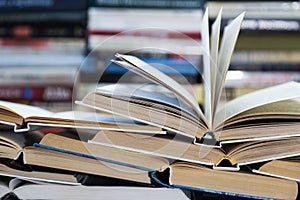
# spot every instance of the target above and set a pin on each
(23, 117)
(268, 113)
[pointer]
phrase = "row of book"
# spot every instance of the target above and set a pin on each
(51, 18)
(42, 45)
(40, 71)
(149, 31)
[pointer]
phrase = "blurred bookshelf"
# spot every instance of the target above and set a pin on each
(164, 33)
(48, 46)
(42, 46)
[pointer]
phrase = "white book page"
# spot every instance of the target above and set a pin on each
(135, 94)
(4, 189)
(165, 81)
(84, 116)
(275, 175)
(229, 39)
(51, 191)
(44, 177)
(206, 68)
(281, 92)
(215, 39)
(25, 110)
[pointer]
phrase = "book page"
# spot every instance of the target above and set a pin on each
(38, 191)
(261, 151)
(206, 67)
(172, 148)
(235, 183)
(17, 141)
(103, 153)
(229, 39)
(215, 37)
(24, 110)
(47, 177)
(136, 94)
(91, 117)
(4, 189)
(165, 81)
(285, 168)
(277, 93)
(288, 108)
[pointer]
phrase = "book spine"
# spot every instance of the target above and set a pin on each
(192, 34)
(276, 56)
(264, 25)
(42, 46)
(259, 79)
(43, 5)
(61, 17)
(270, 41)
(283, 67)
(43, 24)
(51, 30)
(168, 66)
(157, 4)
(186, 22)
(255, 9)
(46, 93)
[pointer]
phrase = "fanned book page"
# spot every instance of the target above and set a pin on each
(207, 75)
(219, 123)
(164, 80)
(214, 52)
(229, 39)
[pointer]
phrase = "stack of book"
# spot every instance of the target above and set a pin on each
(246, 148)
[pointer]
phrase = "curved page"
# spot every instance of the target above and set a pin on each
(246, 102)
(164, 80)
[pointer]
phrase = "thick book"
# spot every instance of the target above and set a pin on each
(25, 117)
(143, 168)
(268, 113)
(12, 147)
(230, 157)
(24, 173)
(23, 157)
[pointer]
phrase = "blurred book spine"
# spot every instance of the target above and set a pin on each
(267, 51)
(53, 93)
(158, 4)
(47, 18)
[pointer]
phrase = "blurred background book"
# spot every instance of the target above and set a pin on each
(53, 51)
(42, 46)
